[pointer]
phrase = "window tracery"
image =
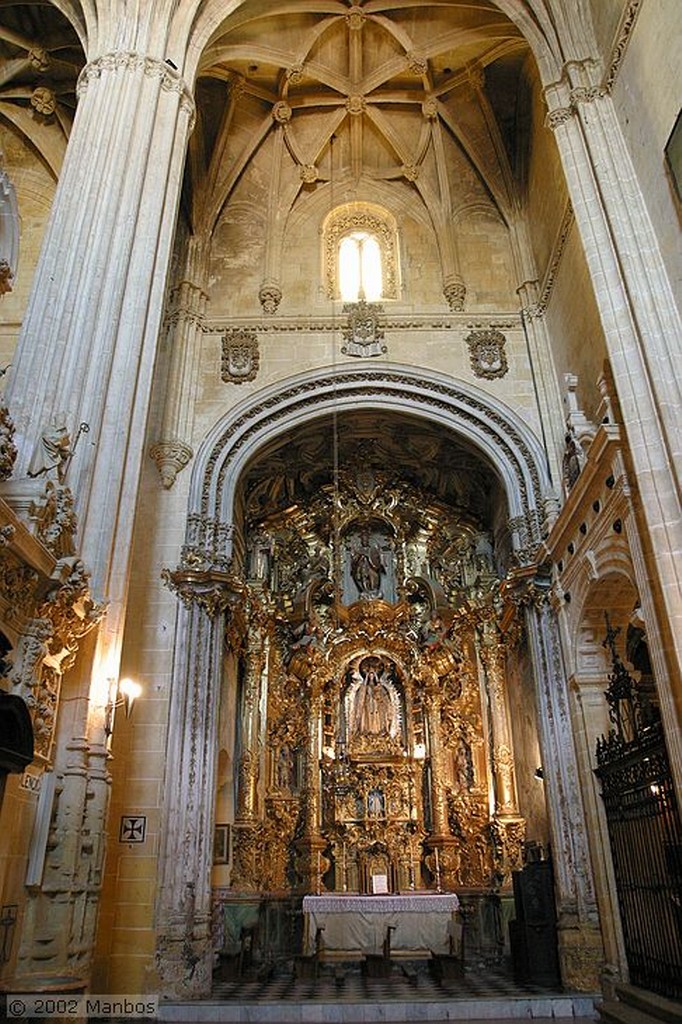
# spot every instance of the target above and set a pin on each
(360, 253)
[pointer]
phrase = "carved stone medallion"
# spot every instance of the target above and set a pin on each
(486, 351)
(363, 336)
(240, 356)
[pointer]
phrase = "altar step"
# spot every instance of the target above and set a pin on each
(637, 1006)
(351, 998)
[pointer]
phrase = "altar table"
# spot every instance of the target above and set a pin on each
(423, 924)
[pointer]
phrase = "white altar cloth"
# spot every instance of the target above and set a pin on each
(357, 924)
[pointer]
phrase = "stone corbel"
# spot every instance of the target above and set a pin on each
(454, 290)
(270, 296)
(170, 457)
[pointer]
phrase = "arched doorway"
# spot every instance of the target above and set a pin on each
(368, 523)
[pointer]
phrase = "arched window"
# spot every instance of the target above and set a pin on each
(360, 274)
(360, 253)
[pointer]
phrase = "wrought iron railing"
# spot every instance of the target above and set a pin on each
(644, 831)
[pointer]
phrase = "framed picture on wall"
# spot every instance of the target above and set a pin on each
(221, 844)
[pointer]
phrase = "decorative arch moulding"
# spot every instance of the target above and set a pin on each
(500, 436)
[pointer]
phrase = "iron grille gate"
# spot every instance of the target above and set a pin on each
(645, 834)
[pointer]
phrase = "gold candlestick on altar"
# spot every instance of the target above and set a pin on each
(319, 872)
(437, 869)
(344, 874)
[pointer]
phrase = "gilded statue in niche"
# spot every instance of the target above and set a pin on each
(366, 565)
(373, 704)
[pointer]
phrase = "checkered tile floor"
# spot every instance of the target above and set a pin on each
(345, 984)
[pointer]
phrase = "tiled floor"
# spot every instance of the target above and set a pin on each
(350, 985)
(346, 996)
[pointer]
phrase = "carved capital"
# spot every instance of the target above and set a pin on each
(151, 67)
(556, 118)
(508, 835)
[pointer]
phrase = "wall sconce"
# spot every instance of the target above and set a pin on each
(539, 774)
(122, 693)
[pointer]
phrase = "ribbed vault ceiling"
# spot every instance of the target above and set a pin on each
(428, 93)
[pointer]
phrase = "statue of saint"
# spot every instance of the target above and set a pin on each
(366, 565)
(374, 711)
(54, 453)
(261, 552)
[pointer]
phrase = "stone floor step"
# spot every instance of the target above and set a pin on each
(656, 1007)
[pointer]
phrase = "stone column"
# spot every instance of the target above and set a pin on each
(580, 945)
(86, 354)
(641, 325)
(183, 913)
(172, 451)
(88, 344)
(544, 377)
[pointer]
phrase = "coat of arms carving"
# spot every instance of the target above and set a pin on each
(363, 336)
(486, 351)
(240, 356)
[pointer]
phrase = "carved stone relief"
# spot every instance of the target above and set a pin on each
(363, 336)
(487, 355)
(241, 358)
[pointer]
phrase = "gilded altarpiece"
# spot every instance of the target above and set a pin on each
(372, 746)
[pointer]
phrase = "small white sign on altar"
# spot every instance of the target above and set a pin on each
(379, 884)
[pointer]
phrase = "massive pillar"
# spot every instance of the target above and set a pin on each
(580, 943)
(184, 945)
(86, 356)
(641, 326)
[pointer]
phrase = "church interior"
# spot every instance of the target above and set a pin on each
(340, 619)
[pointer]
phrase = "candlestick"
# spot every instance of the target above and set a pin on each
(411, 870)
(319, 872)
(437, 869)
(343, 868)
